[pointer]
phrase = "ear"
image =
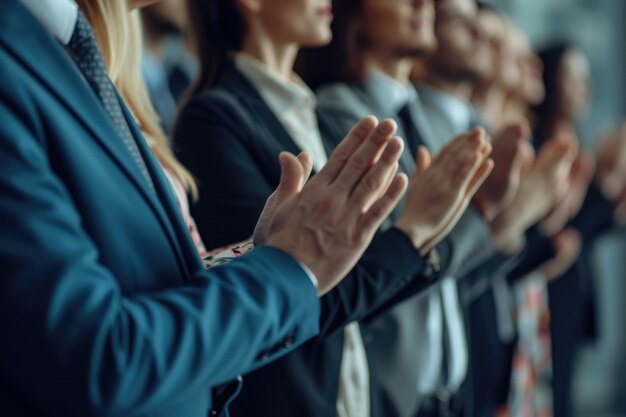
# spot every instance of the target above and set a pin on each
(249, 6)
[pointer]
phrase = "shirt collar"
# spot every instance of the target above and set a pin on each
(284, 94)
(58, 16)
(455, 110)
(389, 94)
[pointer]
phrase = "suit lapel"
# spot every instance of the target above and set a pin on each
(164, 201)
(51, 65)
(247, 94)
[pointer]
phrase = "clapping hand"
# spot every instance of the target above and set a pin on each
(328, 222)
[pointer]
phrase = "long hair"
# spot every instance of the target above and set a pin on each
(546, 113)
(218, 28)
(341, 60)
(119, 36)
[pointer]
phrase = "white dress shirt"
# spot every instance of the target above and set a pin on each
(58, 16)
(291, 101)
(293, 104)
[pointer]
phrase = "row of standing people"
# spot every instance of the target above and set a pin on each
(472, 67)
(438, 340)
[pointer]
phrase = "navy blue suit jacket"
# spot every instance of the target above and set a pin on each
(105, 308)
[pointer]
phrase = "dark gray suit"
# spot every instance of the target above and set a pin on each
(397, 343)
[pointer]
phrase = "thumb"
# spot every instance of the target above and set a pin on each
(307, 166)
(424, 159)
(292, 175)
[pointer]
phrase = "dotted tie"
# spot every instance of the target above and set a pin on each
(86, 53)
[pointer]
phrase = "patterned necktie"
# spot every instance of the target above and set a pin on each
(86, 53)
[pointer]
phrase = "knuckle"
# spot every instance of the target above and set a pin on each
(372, 183)
(357, 163)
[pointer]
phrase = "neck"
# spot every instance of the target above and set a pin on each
(491, 100)
(279, 57)
(399, 69)
(462, 90)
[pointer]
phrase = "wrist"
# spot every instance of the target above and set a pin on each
(506, 234)
(411, 231)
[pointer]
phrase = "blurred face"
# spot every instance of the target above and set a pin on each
(491, 27)
(304, 22)
(462, 52)
(502, 68)
(529, 88)
(532, 88)
(404, 27)
(574, 84)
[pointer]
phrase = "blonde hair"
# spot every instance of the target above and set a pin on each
(119, 35)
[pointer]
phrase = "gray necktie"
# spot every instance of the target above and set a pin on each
(86, 53)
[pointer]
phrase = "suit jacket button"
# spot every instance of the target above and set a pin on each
(288, 342)
(264, 356)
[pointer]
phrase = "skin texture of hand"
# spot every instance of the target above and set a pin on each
(567, 245)
(329, 223)
(441, 189)
(294, 174)
(580, 177)
(542, 187)
(510, 150)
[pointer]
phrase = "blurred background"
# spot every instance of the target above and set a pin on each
(598, 27)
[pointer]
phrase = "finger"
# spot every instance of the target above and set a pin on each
(371, 220)
(307, 167)
(527, 158)
(424, 160)
(390, 178)
(553, 155)
(373, 184)
(291, 175)
(516, 131)
(450, 224)
(470, 165)
(342, 153)
(465, 142)
(361, 160)
(479, 178)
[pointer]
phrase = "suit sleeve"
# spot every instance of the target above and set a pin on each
(212, 141)
(75, 345)
(595, 216)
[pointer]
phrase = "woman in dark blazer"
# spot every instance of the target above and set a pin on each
(247, 107)
(566, 78)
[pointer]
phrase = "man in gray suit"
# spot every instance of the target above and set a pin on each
(417, 353)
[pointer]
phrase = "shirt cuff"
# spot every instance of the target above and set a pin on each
(310, 274)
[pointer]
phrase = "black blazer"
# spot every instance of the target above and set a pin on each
(230, 140)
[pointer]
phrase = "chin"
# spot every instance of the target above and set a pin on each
(423, 46)
(316, 42)
(321, 38)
